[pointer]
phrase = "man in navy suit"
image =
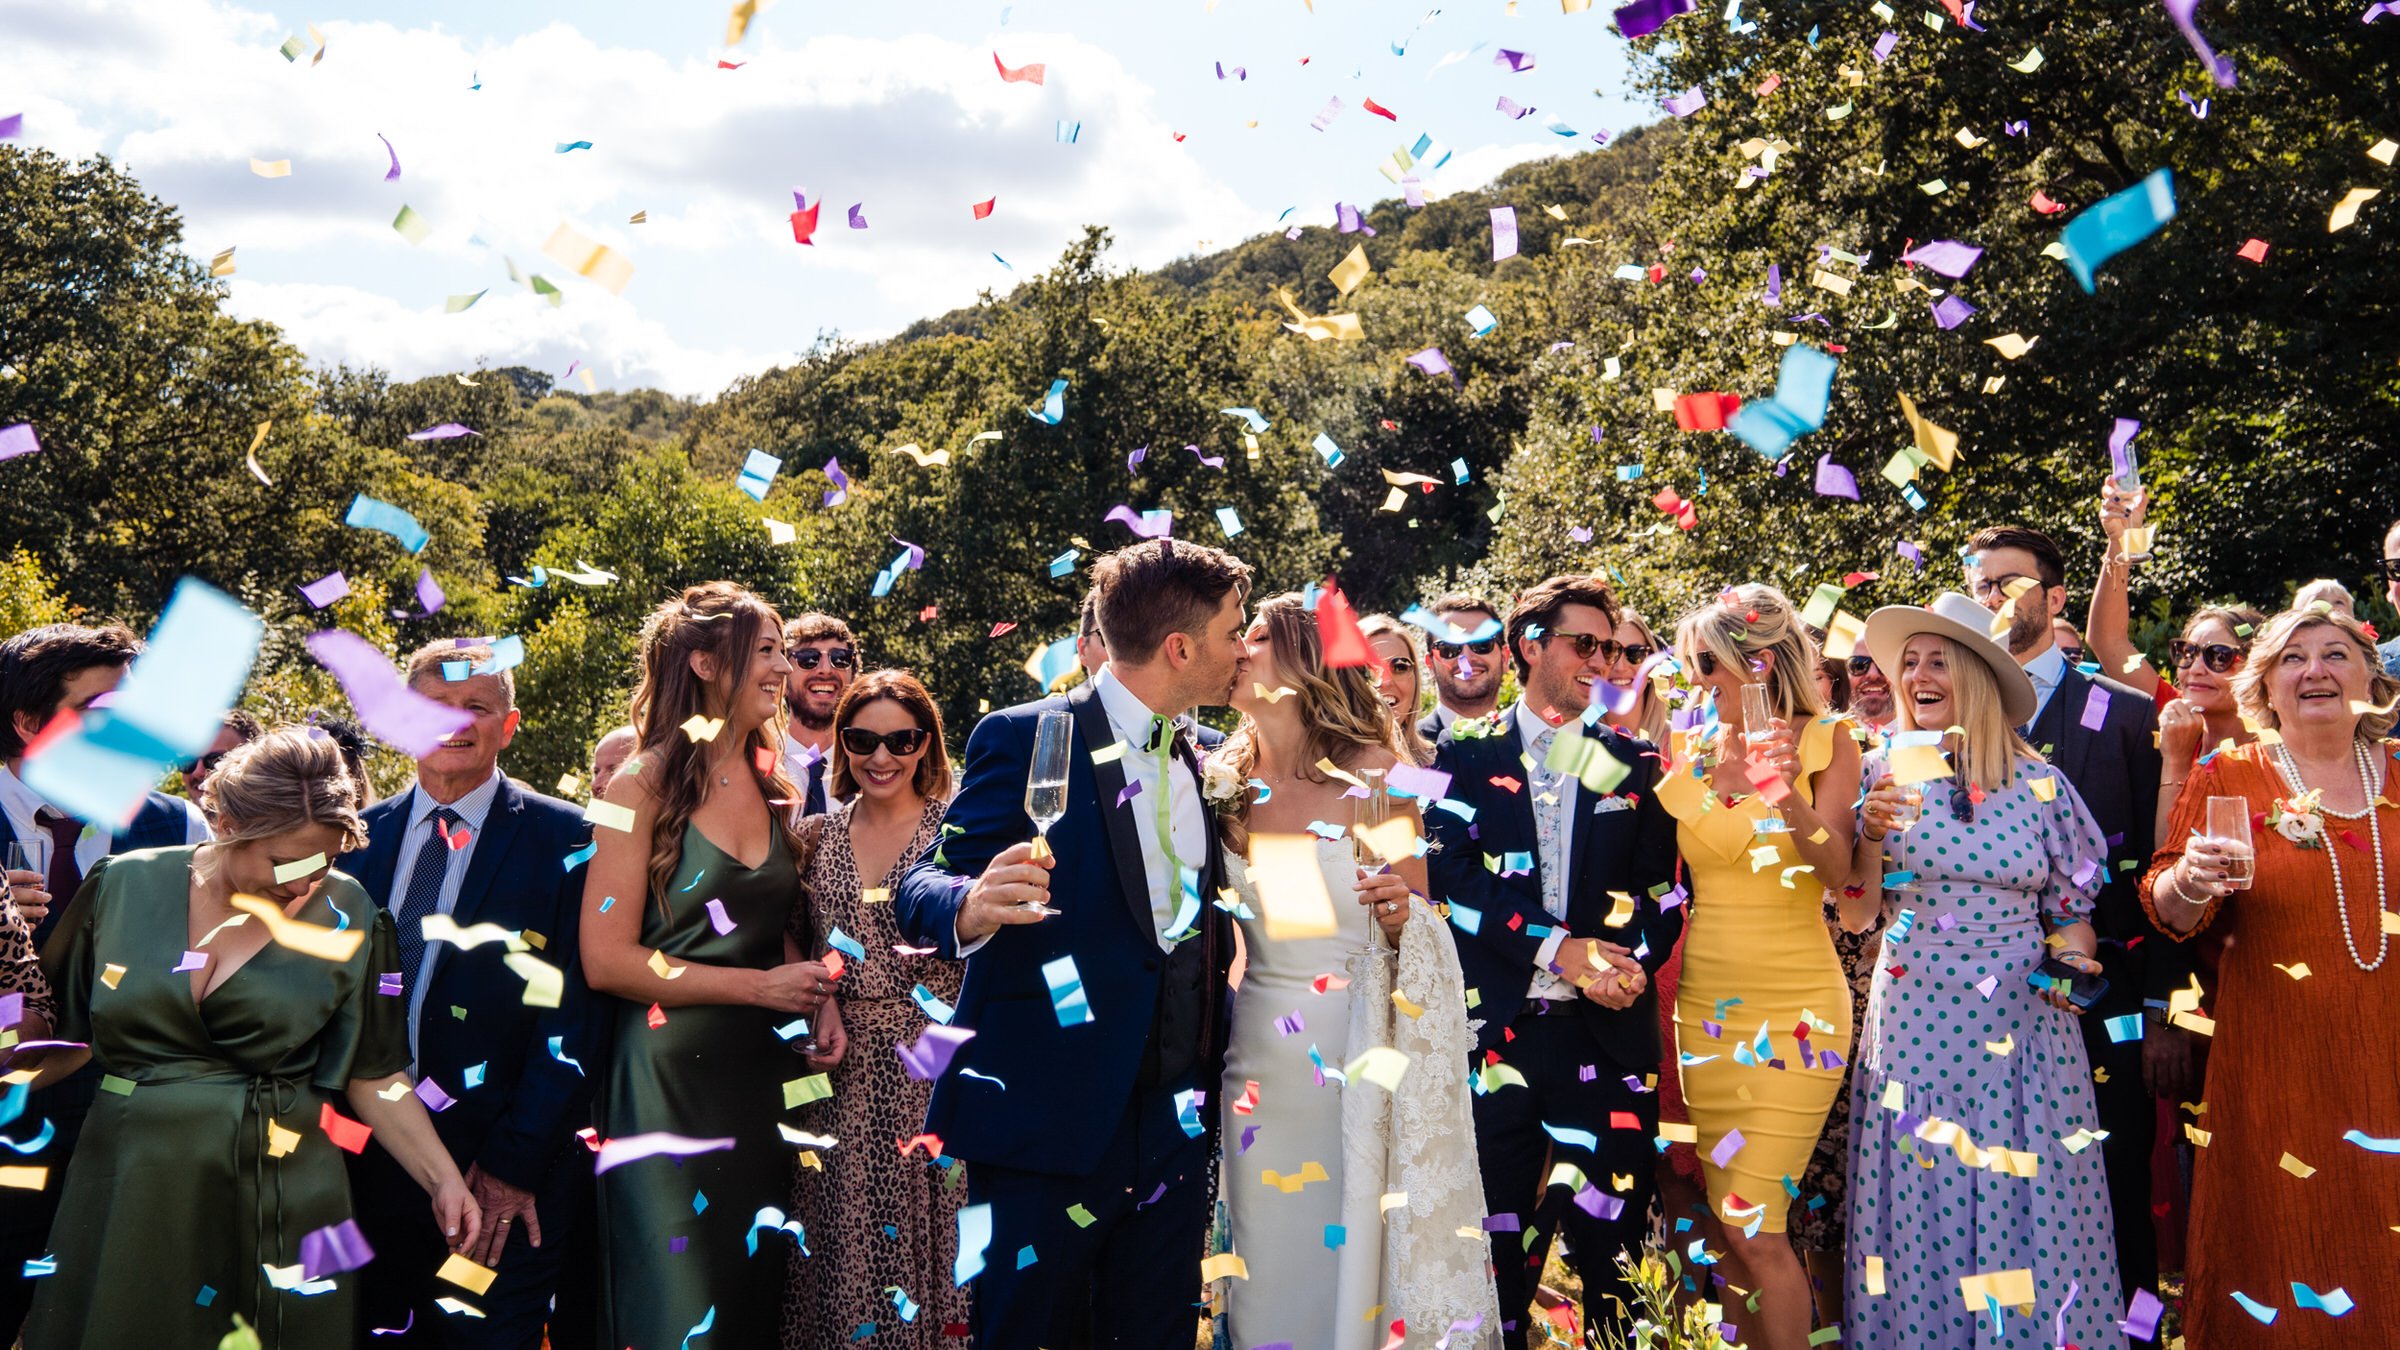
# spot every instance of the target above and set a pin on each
(2104, 737)
(1082, 1106)
(1559, 884)
(1463, 650)
(501, 1071)
(45, 672)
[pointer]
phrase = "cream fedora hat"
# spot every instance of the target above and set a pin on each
(1960, 619)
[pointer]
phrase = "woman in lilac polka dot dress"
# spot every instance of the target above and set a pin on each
(1978, 1208)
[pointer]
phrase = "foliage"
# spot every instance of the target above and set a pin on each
(28, 597)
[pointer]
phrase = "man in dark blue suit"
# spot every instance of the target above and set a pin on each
(1083, 1104)
(45, 672)
(498, 1060)
(1559, 881)
(2104, 737)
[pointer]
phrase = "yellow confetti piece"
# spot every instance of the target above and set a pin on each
(925, 459)
(1350, 271)
(1291, 887)
(803, 1138)
(876, 895)
(2014, 1288)
(1893, 1095)
(1838, 111)
(1678, 1132)
(545, 984)
(1874, 1274)
(221, 265)
(2194, 1022)
(457, 1307)
(1222, 1266)
(2005, 1046)
(2296, 1167)
(25, 1178)
(609, 816)
(1934, 188)
(1109, 753)
(589, 258)
(1824, 280)
(2298, 970)
(1400, 1001)
(111, 973)
(2198, 1136)
(466, 1274)
(779, 532)
(2011, 345)
(699, 729)
(1662, 400)
(2030, 62)
(738, 21)
(1620, 910)
(1381, 1065)
(2382, 151)
(816, 1087)
(2345, 211)
(308, 939)
(298, 868)
(271, 168)
(399, 1088)
(2082, 1139)
(1966, 137)
(443, 928)
(280, 1141)
(2044, 789)
(660, 968)
(1935, 443)
(1290, 1185)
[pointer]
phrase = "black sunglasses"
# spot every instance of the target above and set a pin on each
(1449, 651)
(862, 743)
(1637, 652)
(1860, 664)
(207, 762)
(2217, 656)
(2076, 656)
(1587, 643)
(807, 658)
(2391, 569)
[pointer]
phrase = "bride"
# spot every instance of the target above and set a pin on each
(1352, 1207)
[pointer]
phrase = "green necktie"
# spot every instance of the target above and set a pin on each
(1162, 744)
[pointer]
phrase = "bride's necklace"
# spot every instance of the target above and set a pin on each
(2290, 769)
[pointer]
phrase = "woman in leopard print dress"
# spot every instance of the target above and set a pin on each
(881, 1219)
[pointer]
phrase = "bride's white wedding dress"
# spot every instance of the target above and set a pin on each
(1329, 1264)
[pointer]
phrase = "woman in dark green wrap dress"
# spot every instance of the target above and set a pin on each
(232, 1012)
(684, 920)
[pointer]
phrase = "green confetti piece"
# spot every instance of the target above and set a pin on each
(411, 226)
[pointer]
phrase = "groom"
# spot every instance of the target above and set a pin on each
(1082, 1105)
(1550, 892)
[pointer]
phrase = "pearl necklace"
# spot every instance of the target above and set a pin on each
(2290, 770)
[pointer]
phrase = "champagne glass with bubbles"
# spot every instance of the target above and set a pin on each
(1368, 814)
(1046, 780)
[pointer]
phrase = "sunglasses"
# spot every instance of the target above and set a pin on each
(205, 764)
(2391, 569)
(1860, 664)
(2076, 656)
(862, 743)
(1449, 651)
(1587, 643)
(808, 658)
(2217, 656)
(1638, 652)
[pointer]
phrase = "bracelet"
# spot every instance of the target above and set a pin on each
(2172, 782)
(2175, 881)
(1874, 838)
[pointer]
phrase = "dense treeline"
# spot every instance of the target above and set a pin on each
(2267, 391)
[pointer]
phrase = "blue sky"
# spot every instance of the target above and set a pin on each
(897, 107)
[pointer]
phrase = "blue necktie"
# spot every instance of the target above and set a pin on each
(424, 894)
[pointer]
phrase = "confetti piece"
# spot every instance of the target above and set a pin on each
(2117, 223)
(589, 258)
(2345, 211)
(1067, 999)
(308, 939)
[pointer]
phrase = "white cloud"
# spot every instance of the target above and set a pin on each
(184, 93)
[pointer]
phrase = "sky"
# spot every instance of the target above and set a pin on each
(895, 107)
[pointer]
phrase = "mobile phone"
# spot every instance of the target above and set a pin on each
(2082, 990)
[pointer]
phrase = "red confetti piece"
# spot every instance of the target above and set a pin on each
(347, 1134)
(1379, 110)
(1000, 628)
(984, 208)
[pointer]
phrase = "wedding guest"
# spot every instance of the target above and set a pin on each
(684, 918)
(877, 1218)
(2284, 1092)
(1756, 937)
(609, 756)
(1090, 1136)
(2103, 736)
(1408, 1261)
(2389, 570)
(1464, 644)
(1560, 966)
(2001, 862)
(824, 660)
(1398, 669)
(1091, 649)
(239, 729)
(2328, 592)
(1833, 683)
(1646, 718)
(47, 673)
(467, 843)
(180, 1204)
(1870, 693)
(352, 741)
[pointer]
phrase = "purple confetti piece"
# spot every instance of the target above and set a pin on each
(1504, 1223)
(2197, 108)
(1431, 361)
(430, 597)
(1774, 296)
(1239, 72)
(333, 1249)
(1600, 1206)
(2119, 441)
(1714, 1029)
(1830, 1059)
(1686, 103)
(1209, 461)
(2095, 709)
(840, 491)
(1132, 790)
(1516, 63)
(390, 984)
(2015, 128)
(618, 1152)
(391, 175)
(1134, 460)
(1726, 1148)
(1598, 435)
(675, 1246)
(1148, 525)
(1910, 551)
(1884, 45)
(397, 715)
(1412, 189)
(719, 919)
(2141, 1316)
(914, 559)
(1154, 1197)
(12, 1009)
(13, 125)
(1290, 1024)
(1950, 311)
(18, 440)
(1325, 116)
(1644, 17)
(1835, 481)
(191, 961)
(2373, 13)
(2220, 68)
(1249, 1136)
(430, 1093)
(858, 215)
(933, 1051)
(1346, 218)
(325, 590)
(1581, 535)
(447, 431)
(1504, 232)
(1946, 256)
(1513, 109)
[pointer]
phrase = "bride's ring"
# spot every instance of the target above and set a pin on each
(1385, 906)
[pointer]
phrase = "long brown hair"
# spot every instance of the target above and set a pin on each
(1343, 711)
(1404, 719)
(932, 779)
(724, 621)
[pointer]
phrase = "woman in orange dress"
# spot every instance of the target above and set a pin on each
(2298, 1187)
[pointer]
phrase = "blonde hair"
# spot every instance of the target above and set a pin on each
(1748, 625)
(1404, 719)
(2250, 682)
(1339, 705)
(2327, 591)
(1989, 746)
(1647, 718)
(287, 780)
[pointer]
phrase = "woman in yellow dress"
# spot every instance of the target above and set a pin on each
(1763, 1012)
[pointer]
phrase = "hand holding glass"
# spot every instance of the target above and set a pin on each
(29, 855)
(1046, 780)
(1368, 814)
(2229, 826)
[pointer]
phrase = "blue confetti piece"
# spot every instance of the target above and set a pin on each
(1054, 407)
(758, 474)
(366, 513)
(1066, 992)
(847, 945)
(1187, 1112)
(700, 1328)
(2125, 1028)
(208, 1295)
(577, 859)
(2116, 223)
(558, 1051)
(2266, 1316)
(1331, 452)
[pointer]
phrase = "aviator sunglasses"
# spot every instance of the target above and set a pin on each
(1449, 651)
(808, 658)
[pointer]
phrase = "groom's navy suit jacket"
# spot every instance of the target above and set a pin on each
(1621, 840)
(1066, 1087)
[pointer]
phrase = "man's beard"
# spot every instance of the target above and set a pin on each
(2027, 625)
(811, 722)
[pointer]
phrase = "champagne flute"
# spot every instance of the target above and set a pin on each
(1758, 724)
(2229, 825)
(1367, 815)
(30, 855)
(1046, 782)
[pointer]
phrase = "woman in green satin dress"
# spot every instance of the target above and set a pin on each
(683, 921)
(233, 993)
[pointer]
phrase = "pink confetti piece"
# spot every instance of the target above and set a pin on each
(618, 1152)
(447, 431)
